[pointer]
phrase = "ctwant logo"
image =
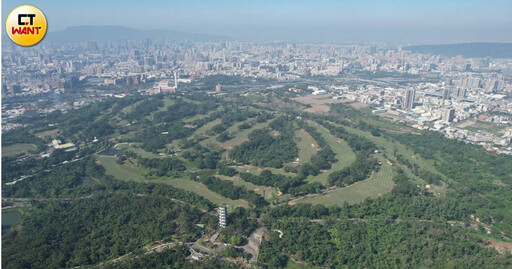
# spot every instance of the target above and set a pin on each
(26, 25)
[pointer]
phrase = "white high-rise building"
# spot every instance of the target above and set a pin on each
(175, 80)
(448, 114)
(223, 216)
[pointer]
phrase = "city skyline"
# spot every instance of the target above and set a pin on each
(324, 21)
(256, 134)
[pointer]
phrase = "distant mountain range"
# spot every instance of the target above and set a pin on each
(119, 33)
(469, 50)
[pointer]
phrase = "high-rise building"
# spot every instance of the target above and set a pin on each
(175, 80)
(461, 93)
(409, 99)
(222, 216)
(448, 114)
(218, 88)
(92, 46)
(446, 94)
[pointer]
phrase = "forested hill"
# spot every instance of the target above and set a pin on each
(468, 50)
(340, 189)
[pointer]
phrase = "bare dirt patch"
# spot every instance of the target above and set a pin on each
(501, 247)
(500, 183)
(465, 124)
(319, 103)
(391, 116)
(358, 105)
(47, 133)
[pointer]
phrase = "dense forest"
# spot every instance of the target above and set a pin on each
(176, 257)
(268, 149)
(228, 189)
(473, 172)
(377, 244)
(151, 171)
(65, 182)
(89, 231)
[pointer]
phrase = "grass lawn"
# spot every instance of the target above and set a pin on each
(486, 127)
(257, 170)
(389, 146)
(378, 184)
(130, 172)
(306, 144)
(131, 146)
(15, 149)
(212, 140)
(202, 130)
(343, 152)
(242, 135)
(270, 192)
(139, 151)
(196, 117)
(167, 103)
(295, 265)
(129, 108)
(50, 133)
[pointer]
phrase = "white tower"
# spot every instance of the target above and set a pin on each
(175, 80)
(222, 216)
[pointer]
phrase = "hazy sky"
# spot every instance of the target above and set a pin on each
(400, 21)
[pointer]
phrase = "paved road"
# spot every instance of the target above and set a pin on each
(214, 236)
(253, 244)
(197, 246)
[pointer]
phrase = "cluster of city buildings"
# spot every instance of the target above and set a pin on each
(451, 106)
(430, 91)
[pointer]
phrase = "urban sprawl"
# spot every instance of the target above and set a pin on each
(464, 98)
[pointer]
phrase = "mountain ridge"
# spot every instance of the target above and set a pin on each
(468, 50)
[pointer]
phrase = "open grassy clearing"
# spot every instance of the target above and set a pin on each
(269, 192)
(16, 149)
(486, 127)
(126, 171)
(306, 144)
(131, 172)
(197, 117)
(145, 154)
(233, 130)
(343, 152)
(257, 170)
(50, 133)
(131, 135)
(167, 103)
(129, 108)
(389, 147)
(319, 103)
(200, 189)
(202, 130)
(242, 135)
(175, 145)
(435, 189)
(385, 123)
(295, 265)
(378, 184)
(133, 146)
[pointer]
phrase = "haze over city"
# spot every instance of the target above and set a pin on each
(256, 134)
(418, 22)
